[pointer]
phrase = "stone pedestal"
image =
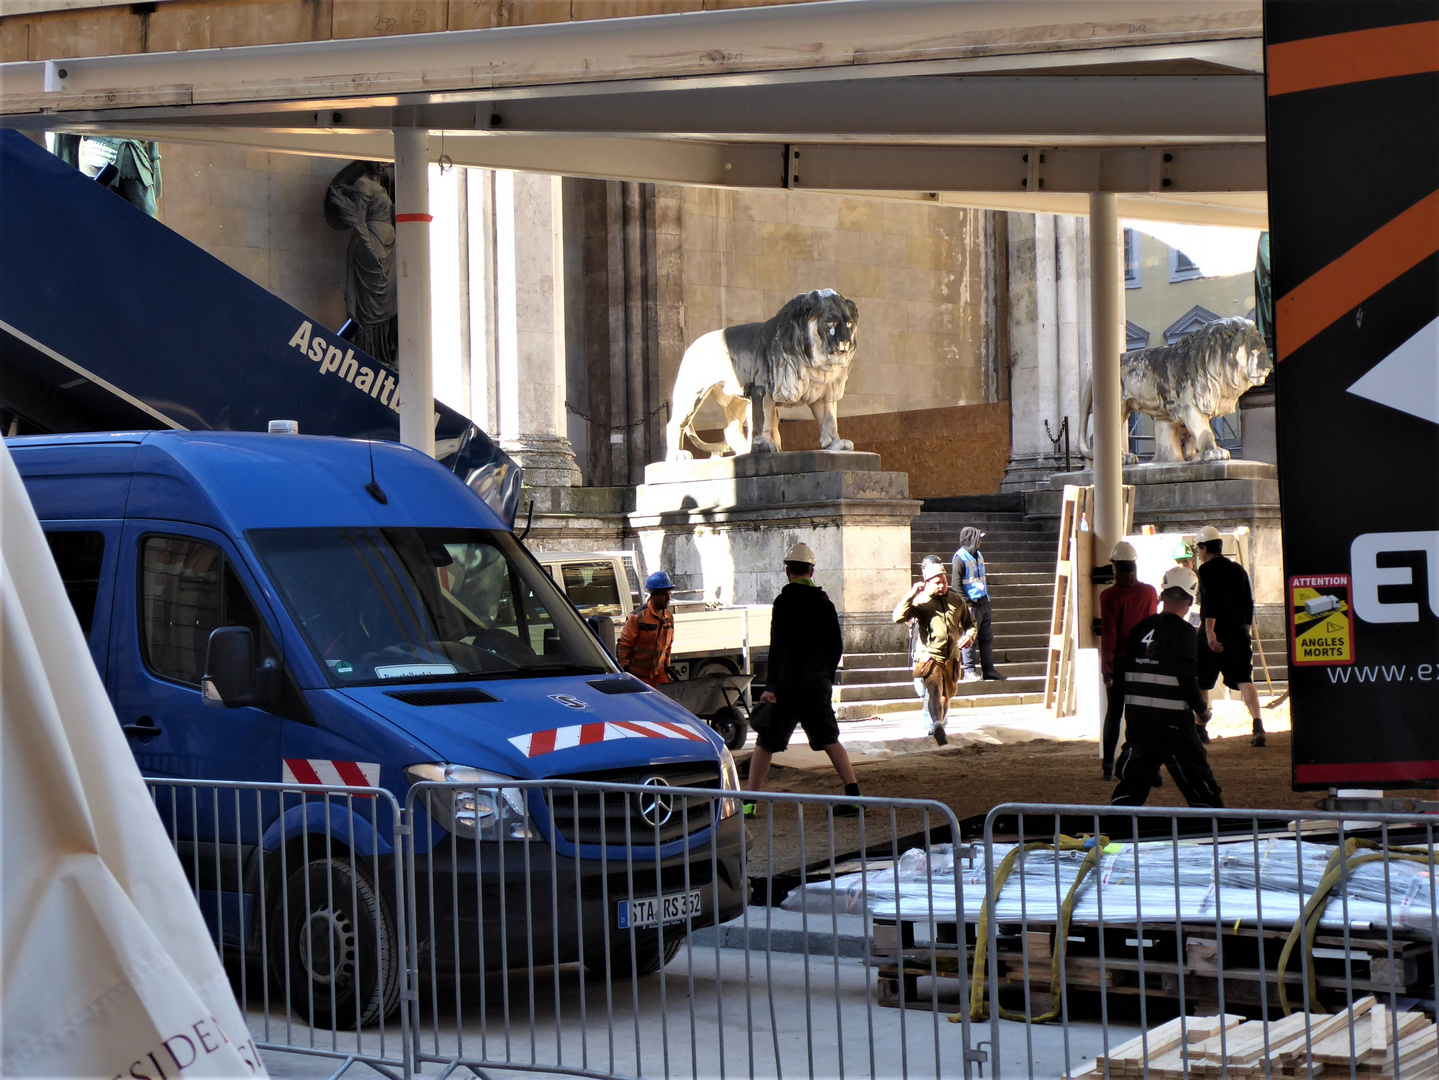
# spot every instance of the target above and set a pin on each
(721, 526)
(1183, 498)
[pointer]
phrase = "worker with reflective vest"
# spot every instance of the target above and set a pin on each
(649, 634)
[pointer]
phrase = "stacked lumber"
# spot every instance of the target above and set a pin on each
(1379, 1043)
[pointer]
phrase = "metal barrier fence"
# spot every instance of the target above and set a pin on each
(1127, 942)
(304, 894)
(566, 927)
(581, 939)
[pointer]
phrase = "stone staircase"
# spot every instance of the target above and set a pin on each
(1019, 556)
(1019, 560)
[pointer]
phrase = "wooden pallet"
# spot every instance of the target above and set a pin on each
(1370, 1039)
(1160, 969)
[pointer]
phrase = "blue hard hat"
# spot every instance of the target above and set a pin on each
(658, 580)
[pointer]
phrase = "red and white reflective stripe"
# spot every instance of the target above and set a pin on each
(566, 738)
(324, 771)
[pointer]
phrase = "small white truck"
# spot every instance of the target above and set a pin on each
(708, 641)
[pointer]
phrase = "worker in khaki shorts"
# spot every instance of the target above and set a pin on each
(805, 648)
(945, 628)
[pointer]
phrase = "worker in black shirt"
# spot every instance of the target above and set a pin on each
(1161, 696)
(805, 648)
(1226, 610)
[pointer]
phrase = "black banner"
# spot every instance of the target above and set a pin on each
(1353, 97)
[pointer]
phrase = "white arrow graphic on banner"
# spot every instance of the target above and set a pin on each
(1408, 378)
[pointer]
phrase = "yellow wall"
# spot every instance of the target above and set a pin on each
(1159, 302)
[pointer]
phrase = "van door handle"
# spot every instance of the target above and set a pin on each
(143, 729)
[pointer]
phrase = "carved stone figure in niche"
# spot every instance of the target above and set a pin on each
(137, 165)
(1186, 385)
(800, 357)
(361, 198)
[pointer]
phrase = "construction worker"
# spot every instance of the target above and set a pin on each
(945, 628)
(649, 634)
(1161, 692)
(805, 648)
(1226, 605)
(1122, 607)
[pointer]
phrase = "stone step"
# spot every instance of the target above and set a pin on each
(863, 710)
(857, 661)
(870, 690)
(875, 675)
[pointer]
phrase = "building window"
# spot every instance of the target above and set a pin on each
(1132, 277)
(1141, 436)
(1135, 336)
(1182, 267)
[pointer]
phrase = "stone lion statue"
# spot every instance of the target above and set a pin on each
(1186, 385)
(799, 357)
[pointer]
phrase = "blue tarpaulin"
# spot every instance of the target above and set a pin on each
(108, 316)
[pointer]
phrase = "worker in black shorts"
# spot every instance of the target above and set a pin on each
(1161, 697)
(1226, 610)
(805, 648)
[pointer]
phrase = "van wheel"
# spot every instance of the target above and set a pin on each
(647, 957)
(336, 946)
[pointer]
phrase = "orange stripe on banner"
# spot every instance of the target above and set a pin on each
(400, 219)
(1385, 52)
(1358, 274)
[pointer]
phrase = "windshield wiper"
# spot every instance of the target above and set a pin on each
(555, 669)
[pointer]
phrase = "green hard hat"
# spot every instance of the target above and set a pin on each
(1182, 550)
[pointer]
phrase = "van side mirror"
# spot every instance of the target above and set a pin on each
(230, 666)
(604, 629)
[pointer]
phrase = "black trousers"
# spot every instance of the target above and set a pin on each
(1113, 715)
(1178, 749)
(980, 655)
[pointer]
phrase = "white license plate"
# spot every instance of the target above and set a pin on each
(654, 910)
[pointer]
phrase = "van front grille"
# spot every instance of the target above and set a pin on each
(620, 817)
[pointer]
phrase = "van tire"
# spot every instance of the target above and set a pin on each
(344, 914)
(647, 959)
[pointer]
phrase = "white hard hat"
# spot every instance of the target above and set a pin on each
(799, 553)
(931, 568)
(1206, 534)
(1180, 577)
(1123, 552)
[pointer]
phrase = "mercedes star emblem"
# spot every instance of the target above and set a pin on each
(658, 806)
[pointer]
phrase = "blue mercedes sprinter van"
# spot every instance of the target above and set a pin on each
(304, 609)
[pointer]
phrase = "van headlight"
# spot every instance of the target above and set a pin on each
(729, 781)
(484, 812)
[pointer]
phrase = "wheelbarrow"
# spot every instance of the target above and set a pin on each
(718, 700)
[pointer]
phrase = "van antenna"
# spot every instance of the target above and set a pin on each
(372, 487)
(529, 520)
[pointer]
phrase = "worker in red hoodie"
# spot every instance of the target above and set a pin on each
(1122, 607)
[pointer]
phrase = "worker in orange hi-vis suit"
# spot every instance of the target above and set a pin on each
(649, 634)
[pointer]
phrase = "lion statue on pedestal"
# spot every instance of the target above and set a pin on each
(800, 357)
(1184, 386)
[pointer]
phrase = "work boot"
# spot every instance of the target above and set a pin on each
(938, 735)
(995, 676)
(1258, 739)
(848, 809)
(1107, 773)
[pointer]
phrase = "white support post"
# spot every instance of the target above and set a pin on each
(1106, 324)
(412, 265)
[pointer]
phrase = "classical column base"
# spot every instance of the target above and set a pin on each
(548, 460)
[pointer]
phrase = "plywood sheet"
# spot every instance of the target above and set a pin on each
(488, 14)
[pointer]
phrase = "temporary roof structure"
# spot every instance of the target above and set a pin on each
(107, 959)
(1019, 106)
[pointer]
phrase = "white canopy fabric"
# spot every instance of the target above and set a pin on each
(108, 968)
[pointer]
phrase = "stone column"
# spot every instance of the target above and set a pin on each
(530, 327)
(412, 268)
(1048, 342)
(1106, 246)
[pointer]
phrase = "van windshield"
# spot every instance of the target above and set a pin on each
(424, 605)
